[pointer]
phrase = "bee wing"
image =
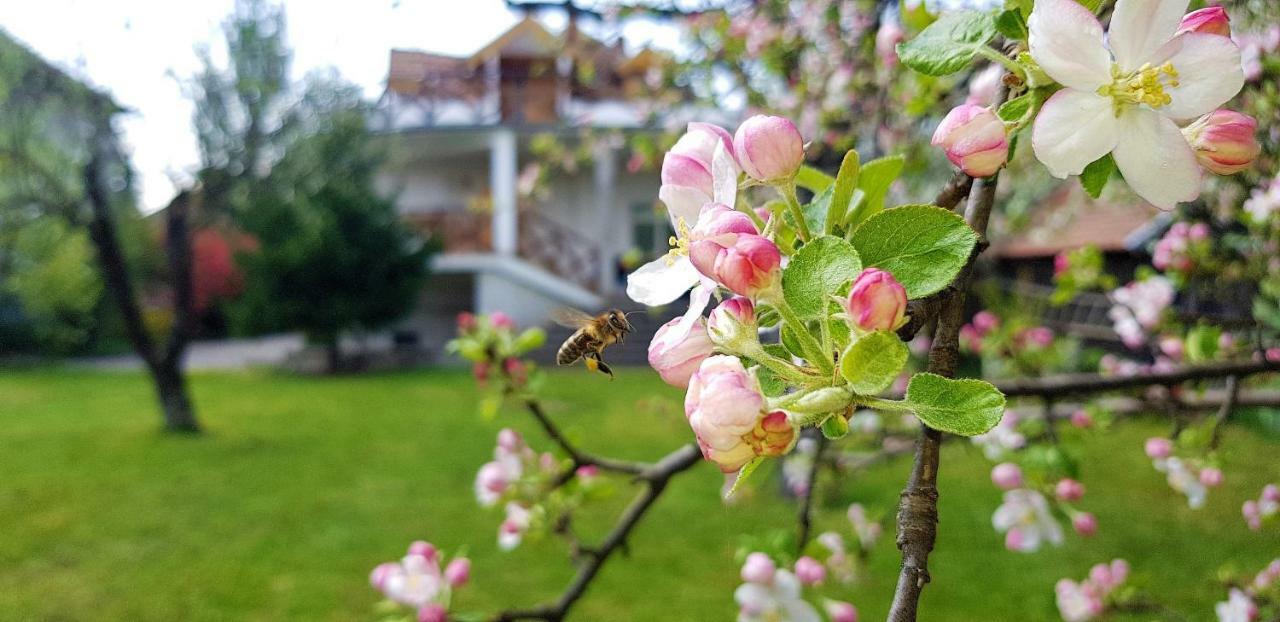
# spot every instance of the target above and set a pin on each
(572, 318)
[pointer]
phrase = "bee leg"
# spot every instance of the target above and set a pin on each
(594, 362)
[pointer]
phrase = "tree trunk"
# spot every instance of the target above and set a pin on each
(175, 405)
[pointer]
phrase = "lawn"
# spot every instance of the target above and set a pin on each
(301, 485)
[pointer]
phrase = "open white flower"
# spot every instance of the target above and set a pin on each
(777, 601)
(1123, 94)
(1025, 519)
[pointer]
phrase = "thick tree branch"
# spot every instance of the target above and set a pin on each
(655, 478)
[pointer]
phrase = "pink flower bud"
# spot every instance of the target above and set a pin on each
(769, 148)
(1199, 232)
(480, 371)
(1224, 141)
(676, 361)
(432, 612)
(1172, 347)
(1209, 20)
(840, 611)
(1085, 524)
(724, 406)
(1082, 419)
(458, 572)
(1101, 576)
(1119, 571)
(750, 265)
(877, 301)
(985, 322)
(466, 321)
(731, 320)
(759, 568)
(810, 571)
(1158, 448)
(1271, 493)
(587, 474)
(382, 573)
(1006, 476)
(1211, 477)
(509, 440)
(491, 482)
(974, 139)
(888, 37)
(501, 320)
(424, 549)
(1068, 489)
(1061, 263)
(1041, 336)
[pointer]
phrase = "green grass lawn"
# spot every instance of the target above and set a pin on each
(301, 485)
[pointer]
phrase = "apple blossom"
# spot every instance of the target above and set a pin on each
(810, 571)
(1068, 489)
(1081, 419)
(1238, 607)
(512, 529)
(425, 550)
(984, 85)
(1002, 439)
(758, 568)
(466, 321)
(433, 612)
(676, 362)
(1224, 141)
(458, 572)
(769, 148)
(1211, 477)
(876, 301)
(840, 611)
(1182, 479)
(501, 321)
(777, 600)
(726, 409)
(985, 322)
(1085, 524)
(415, 580)
(868, 531)
(1210, 20)
(1123, 93)
(1025, 519)
(748, 266)
(1039, 336)
(1006, 476)
(1158, 447)
(888, 37)
(1271, 493)
(974, 139)
(491, 482)
(1263, 201)
(1077, 602)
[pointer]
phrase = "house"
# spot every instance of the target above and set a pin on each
(460, 131)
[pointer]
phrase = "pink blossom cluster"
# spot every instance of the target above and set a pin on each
(773, 594)
(1264, 201)
(1263, 508)
(517, 475)
(982, 324)
(1174, 251)
(1187, 476)
(417, 580)
(1088, 599)
(1024, 517)
(1242, 604)
(1138, 308)
(495, 326)
(1255, 45)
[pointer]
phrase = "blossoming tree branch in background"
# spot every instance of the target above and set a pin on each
(820, 291)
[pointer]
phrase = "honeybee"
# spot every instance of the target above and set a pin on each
(594, 334)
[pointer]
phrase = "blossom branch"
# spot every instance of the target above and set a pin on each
(656, 477)
(579, 457)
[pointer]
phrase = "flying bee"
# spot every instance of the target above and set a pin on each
(594, 334)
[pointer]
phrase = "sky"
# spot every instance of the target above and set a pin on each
(141, 51)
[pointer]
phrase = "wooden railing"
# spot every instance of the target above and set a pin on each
(541, 241)
(560, 250)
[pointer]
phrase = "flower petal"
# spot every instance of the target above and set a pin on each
(724, 175)
(1209, 73)
(682, 202)
(697, 304)
(658, 283)
(1066, 39)
(1140, 27)
(1073, 129)
(1155, 159)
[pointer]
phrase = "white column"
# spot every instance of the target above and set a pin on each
(607, 213)
(502, 189)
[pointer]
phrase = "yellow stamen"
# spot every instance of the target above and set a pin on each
(679, 242)
(1145, 86)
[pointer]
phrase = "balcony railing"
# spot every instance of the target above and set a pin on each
(541, 241)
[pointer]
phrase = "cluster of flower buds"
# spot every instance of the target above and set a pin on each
(727, 411)
(494, 347)
(1176, 250)
(1187, 476)
(418, 581)
(521, 478)
(1024, 516)
(982, 324)
(1266, 506)
(1090, 598)
(1264, 201)
(772, 593)
(1139, 307)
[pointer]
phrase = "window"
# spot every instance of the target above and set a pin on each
(650, 229)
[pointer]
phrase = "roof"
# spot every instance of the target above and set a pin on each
(1069, 219)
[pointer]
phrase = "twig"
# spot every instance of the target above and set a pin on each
(1224, 412)
(655, 478)
(1211, 400)
(805, 520)
(580, 458)
(1079, 384)
(956, 189)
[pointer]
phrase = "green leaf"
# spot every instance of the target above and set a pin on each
(817, 271)
(1202, 343)
(816, 211)
(813, 180)
(770, 384)
(965, 407)
(835, 427)
(1014, 109)
(873, 181)
(1011, 25)
(915, 15)
(489, 405)
(744, 474)
(949, 44)
(873, 362)
(529, 340)
(842, 195)
(1092, 5)
(1095, 176)
(923, 246)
